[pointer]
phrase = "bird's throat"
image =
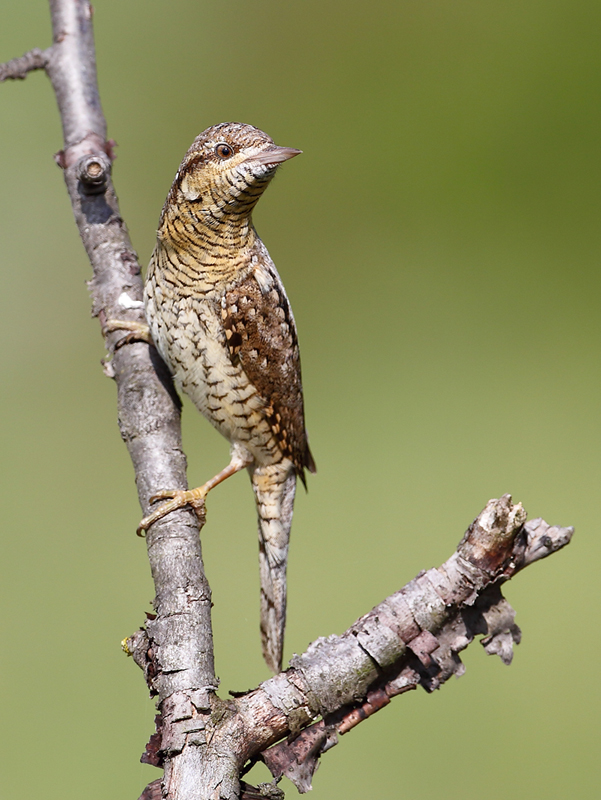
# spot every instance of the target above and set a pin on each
(197, 244)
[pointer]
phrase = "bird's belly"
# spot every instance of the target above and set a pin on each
(192, 343)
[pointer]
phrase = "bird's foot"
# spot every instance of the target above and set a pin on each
(138, 331)
(193, 497)
(175, 499)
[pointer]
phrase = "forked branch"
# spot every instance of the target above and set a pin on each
(411, 639)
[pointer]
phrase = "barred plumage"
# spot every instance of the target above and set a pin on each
(220, 318)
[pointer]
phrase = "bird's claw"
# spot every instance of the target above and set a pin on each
(131, 338)
(138, 332)
(166, 494)
(175, 499)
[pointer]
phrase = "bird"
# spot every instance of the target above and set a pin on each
(219, 316)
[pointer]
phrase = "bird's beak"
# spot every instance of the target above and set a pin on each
(275, 155)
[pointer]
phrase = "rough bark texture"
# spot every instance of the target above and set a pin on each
(149, 410)
(411, 639)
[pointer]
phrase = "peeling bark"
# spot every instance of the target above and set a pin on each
(413, 638)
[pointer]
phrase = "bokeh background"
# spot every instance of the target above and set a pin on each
(440, 243)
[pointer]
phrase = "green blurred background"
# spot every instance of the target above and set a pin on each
(440, 242)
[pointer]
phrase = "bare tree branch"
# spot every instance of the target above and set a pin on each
(149, 411)
(413, 638)
(17, 68)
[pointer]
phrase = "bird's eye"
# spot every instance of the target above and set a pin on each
(224, 150)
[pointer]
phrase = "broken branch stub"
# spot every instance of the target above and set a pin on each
(415, 636)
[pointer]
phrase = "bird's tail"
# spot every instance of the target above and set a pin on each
(274, 487)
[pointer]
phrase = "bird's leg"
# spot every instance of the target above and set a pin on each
(192, 497)
(139, 331)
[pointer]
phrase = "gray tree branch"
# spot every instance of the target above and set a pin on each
(149, 411)
(18, 68)
(412, 639)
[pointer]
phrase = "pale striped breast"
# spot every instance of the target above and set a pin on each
(189, 335)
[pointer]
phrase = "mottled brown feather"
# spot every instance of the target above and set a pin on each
(261, 336)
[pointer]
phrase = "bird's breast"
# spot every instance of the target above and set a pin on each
(189, 335)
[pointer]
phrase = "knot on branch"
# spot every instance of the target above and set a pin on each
(91, 145)
(93, 171)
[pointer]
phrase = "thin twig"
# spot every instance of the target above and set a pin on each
(17, 68)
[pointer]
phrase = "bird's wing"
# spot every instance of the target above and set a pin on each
(261, 337)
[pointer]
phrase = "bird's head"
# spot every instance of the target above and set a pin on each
(226, 170)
